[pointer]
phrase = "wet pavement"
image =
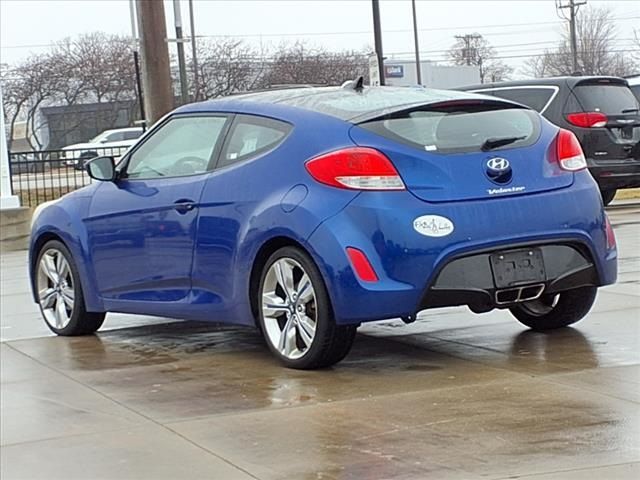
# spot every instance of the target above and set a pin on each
(454, 395)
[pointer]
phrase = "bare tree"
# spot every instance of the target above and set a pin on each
(597, 52)
(474, 49)
(225, 66)
(28, 87)
(301, 64)
(92, 68)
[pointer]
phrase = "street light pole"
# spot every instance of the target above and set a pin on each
(177, 20)
(136, 61)
(377, 35)
(194, 58)
(417, 44)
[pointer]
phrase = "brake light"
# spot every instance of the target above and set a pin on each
(587, 119)
(569, 151)
(356, 168)
(361, 265)
(611, 238)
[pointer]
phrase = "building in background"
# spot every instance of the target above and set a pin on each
(402, 73)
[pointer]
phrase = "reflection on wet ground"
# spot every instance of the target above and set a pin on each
(452, 395)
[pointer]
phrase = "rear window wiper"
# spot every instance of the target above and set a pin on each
(629, 110)
(491, 143)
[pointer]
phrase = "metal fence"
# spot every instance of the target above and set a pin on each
(44, 175)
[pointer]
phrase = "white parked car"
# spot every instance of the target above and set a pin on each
(110, 142)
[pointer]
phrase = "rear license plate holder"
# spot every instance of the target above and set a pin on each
(517, 267)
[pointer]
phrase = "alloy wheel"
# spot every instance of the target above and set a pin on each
(541, 306)
(56, 292)
(289, 308)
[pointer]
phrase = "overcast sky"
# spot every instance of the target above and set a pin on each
(517, 29)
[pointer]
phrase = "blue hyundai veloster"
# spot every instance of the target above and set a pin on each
(308, 211)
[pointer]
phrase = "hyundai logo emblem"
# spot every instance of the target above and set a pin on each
(498, 170)
(498, 164)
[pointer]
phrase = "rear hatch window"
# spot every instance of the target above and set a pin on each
(444, 152)
(611, 99)
(460, 127)
(611, 120)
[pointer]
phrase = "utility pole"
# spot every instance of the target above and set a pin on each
(377, 35)
(573, 7)
(156, 73)
(194, 58)
(417, 44)
(136, 61)
(177, 17)
(469, 52)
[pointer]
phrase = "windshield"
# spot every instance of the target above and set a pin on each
(461, 129)
(97, 138)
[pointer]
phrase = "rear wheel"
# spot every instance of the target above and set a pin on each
(556, 310)
(60, 293)
(295, 313)
(608, 195)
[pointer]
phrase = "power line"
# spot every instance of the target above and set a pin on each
(361, 32)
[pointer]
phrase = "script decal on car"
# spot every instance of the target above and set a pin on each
(433, 226)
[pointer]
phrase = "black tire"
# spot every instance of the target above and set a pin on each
(331, 342)
(556, 311)
(80, 321)
(608, 195)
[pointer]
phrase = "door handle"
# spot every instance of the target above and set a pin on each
(184, 206)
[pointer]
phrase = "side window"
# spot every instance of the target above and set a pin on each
(250, 137)
(535, 98)
(182, 146)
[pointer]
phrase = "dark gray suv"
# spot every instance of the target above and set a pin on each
(601, 111)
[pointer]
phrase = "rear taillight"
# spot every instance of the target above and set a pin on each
(611, 238)
(587, 119)
(357, 168)
(569, 151)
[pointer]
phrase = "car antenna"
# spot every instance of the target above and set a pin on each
(357, 84)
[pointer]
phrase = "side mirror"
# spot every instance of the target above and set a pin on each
(102, 168)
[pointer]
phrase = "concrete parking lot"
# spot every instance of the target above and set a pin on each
(454, 395)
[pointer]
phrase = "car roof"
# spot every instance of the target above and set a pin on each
(569, 81)
(344, 103)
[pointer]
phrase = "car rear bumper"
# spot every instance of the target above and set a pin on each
(417, 271)
(616, 173)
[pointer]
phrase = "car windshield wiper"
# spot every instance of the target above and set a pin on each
(630, 110)
(491, 143)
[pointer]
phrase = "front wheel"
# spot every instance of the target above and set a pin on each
(295, 313)
(60, 293)
(556, 310)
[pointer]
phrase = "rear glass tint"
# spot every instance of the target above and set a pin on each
(455, 131)
(536, 98)
(636, 91)
(610, 99)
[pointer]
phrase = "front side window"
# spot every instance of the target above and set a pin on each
(250, 137)
(182, 146)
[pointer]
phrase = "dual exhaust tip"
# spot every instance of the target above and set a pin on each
(519, 294)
